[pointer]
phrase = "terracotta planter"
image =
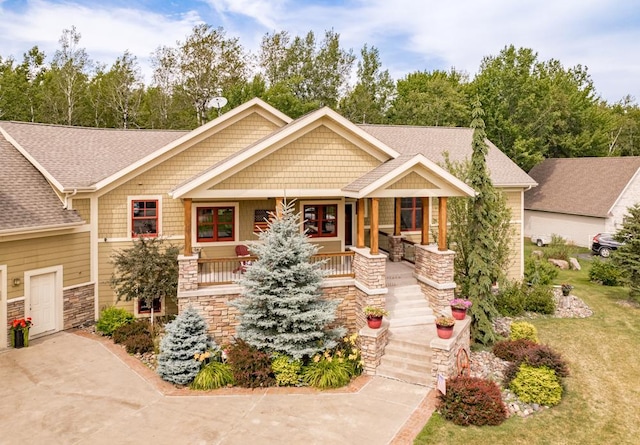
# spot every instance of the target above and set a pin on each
(444, 331)
(458, 314)
(374, 322)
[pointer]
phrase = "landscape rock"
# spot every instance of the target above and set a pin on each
(573, 262)
(562, 264)
(538, 254)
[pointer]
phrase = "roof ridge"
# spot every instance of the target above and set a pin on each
(81, 127)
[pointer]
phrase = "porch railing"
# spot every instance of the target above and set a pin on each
(409, 250)
(218, 271)
(383, 241)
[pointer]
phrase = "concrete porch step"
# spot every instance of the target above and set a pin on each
(402, 350)
(422, 365)
(416, 377)
(402, 292)
(412, 321)
(401, 311)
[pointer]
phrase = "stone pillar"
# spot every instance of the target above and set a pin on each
(187, 273)
(396, 248)
(434, 271)
(370, 281)
(445, 353)
(372, 343)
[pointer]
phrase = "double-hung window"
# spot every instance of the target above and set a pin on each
(215, 224)
(411, 214)
(321, 220)
(144, 217)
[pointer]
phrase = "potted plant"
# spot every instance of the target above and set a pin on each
(374, 316)
(459, 307)
(444, 326)
(566, 289)
(20, 332)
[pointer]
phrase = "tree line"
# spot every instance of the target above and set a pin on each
(534, 109)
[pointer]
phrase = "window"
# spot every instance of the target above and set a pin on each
(411, 214)
(261, 218)
(215, 224)
(144, 217)
(321, 220)
(144, 308)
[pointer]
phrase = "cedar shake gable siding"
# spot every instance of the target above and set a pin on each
(580, 186)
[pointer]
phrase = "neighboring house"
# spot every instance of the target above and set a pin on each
(359, 188)
(579, 197)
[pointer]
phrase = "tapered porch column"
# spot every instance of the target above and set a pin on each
(360, 224)
(442, 223)
(397, 224)
(279, 202)
(187, 227)
(426, 221)
(374, 225)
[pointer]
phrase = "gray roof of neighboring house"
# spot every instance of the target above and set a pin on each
(26, 198)
(432, 142)
(79, 157)
(580, 186)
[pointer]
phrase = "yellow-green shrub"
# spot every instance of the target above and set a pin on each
(523, 330)
(288, 371)
(537, 385)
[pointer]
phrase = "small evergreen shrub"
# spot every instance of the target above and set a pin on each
(510, 301)
(512, 350)
(537, 271)
(213, 375)
(537, 385)
(251, 368)
(139, 343)
(539, 298)
(112, 318)
(558, 248)
(185, 337)
(287, 371)
(605, 273)
(327, 372)
(523, 330)
(472, 401)
(125, 331)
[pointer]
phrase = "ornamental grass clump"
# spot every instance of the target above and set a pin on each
(213, 375)
(335, 367)
(472, 401)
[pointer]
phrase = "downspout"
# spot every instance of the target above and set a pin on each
(65, 205)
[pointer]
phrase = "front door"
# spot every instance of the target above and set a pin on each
(42, 297)
(348, 224)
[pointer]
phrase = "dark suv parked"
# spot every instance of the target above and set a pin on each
(603, 244)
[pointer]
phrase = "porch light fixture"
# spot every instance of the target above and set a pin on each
(16, 282)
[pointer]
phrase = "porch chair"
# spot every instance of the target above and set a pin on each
(242, 251)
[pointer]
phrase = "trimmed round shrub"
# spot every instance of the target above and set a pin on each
(213, 375)
(287, 371)
(139, 343)
(605, 273)
(537, 385)
(523, 330)
(111, 318)
(510, 300)
(512, 350)
(251, 367)
(472, 401)
(537, 356)
(125, 331)
(539, 298)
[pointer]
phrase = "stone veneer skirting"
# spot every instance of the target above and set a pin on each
(445, 352)
(78, 305)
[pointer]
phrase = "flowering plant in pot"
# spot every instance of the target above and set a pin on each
(374, 316)
(566, 288)
(459, 307)
(444, 326)
(20, 332)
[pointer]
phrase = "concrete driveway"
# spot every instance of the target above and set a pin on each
(72, 389)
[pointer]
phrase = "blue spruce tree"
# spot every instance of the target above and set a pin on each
(281, 307)
(185, 336)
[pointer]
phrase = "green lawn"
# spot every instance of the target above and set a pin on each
(602, 400)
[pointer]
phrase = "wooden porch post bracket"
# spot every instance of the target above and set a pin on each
(442, 223)
(374, 225)
(397, 225)
(187, 227)
(360, 224)
(426, 221)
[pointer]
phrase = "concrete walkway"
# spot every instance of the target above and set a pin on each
(73, 389)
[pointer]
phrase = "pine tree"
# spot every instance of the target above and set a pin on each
(185, 337)
(484, 244)
(627, 256)
(281, 307)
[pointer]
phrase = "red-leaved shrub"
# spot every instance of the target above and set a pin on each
(513, 350)
(251, 367)
(472, 401)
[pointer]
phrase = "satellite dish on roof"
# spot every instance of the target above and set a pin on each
(218, 102)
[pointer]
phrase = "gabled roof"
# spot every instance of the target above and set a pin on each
(266, 145)
(580, 186)
(432, 142)
(28, 203)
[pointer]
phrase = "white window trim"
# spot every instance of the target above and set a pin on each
(130, 200)
(194, 225)
(340, 206)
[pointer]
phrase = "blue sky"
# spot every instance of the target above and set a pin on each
(411, 35)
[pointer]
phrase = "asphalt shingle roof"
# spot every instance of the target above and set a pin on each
(580, 186)
(26, 198)
(79, 157)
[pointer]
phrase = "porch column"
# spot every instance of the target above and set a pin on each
(279, 202)
(442, 223)
(397, 225)
(374, 225)
(426, 221)
(187, 227)
(360, 224)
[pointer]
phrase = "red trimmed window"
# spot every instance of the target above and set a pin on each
(411, 214)
(216, 224)
(321, 220)
(144, 308)
(144, 217)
